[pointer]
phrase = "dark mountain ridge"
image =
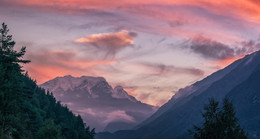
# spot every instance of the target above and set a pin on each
(238, 82)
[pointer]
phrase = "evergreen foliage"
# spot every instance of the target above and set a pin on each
(49, 130)
(219, 123)
(26, 110)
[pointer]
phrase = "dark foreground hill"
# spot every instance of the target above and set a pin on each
(239, 82)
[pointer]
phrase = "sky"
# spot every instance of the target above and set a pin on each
(151, 47)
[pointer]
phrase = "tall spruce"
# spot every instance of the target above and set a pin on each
(11, 89)
(219, 123)
(26, 110)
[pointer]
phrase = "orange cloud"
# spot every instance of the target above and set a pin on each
(249, 9)
(223, 63)
(50, 64)
(110, 42)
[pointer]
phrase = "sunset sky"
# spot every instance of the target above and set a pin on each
(150, 47)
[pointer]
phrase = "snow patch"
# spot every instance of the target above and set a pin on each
(185, 91)
(119, 92)
(251, 57)
(70, 83)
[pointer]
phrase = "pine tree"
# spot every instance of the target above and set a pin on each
(10, 84)
(219, 123)
(24, 106)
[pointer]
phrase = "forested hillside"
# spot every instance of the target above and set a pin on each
(26, 110)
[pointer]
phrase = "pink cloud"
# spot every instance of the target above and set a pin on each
(246, 9)
(151, 15)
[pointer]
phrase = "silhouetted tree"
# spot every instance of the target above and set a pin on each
(24, 106)
(219, 123)
(11, 89)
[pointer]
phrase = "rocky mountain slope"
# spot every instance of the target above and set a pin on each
(104, 107)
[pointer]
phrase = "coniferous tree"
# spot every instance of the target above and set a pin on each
(24, 106)
(49, 130)
(10, 84)
(219, 123)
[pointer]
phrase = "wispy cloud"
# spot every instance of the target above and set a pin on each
(170, 70)
(246, 6)
(250, 45)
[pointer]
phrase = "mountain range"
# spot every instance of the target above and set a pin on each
(101, 106)
(238, 82)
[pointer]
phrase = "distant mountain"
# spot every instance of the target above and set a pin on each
(239, 82)
(197, 87)
(103, 107)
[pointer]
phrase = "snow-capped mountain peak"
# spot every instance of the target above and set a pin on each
(119, 92)
(69, 82)
(94, 87)
(97, 101)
